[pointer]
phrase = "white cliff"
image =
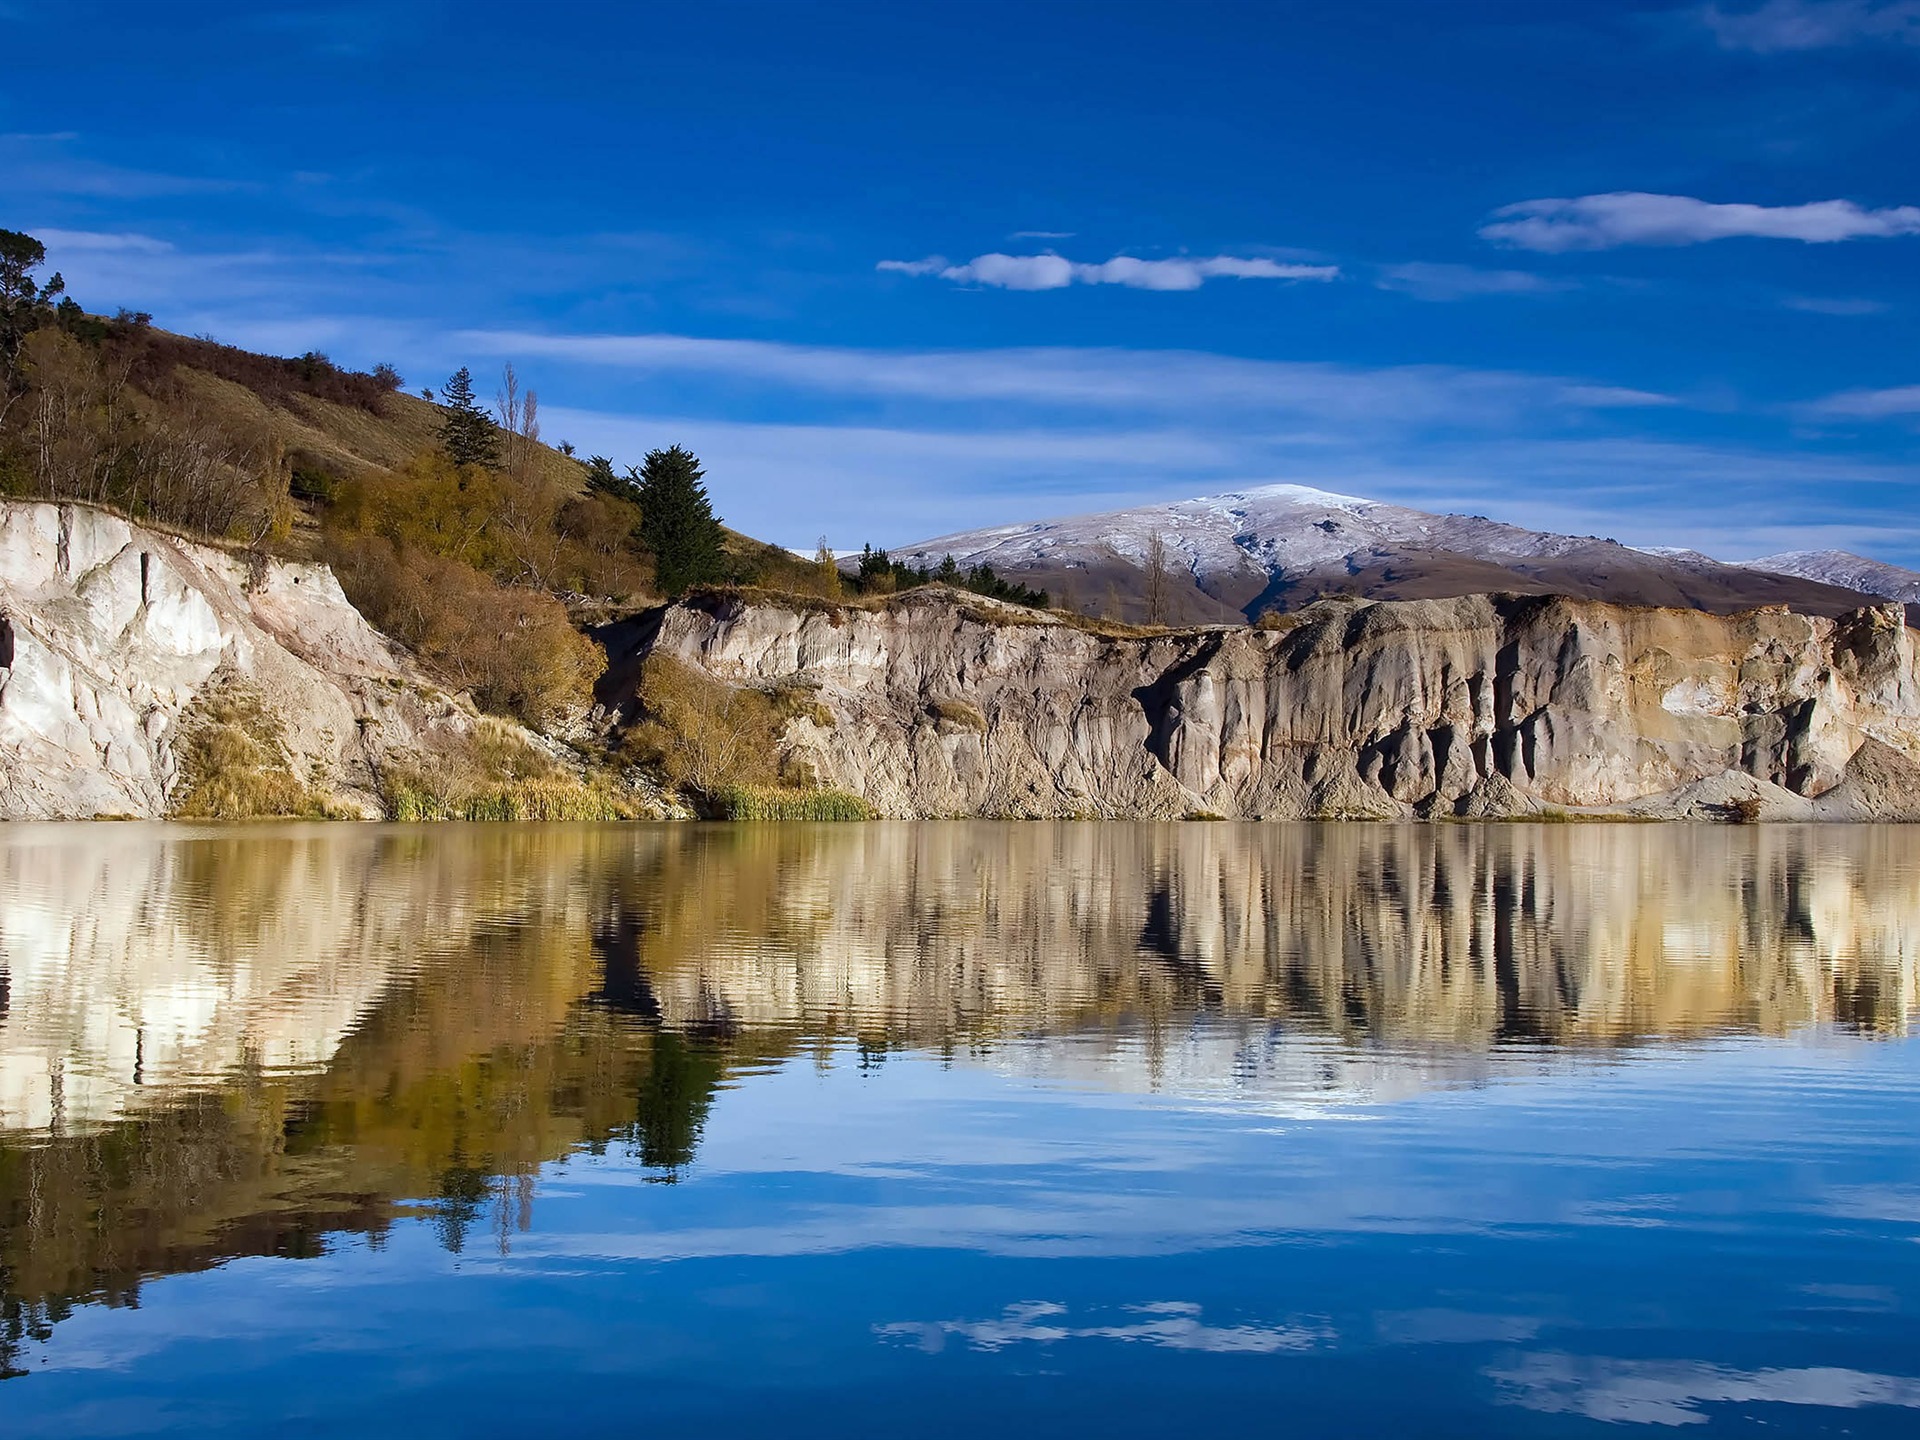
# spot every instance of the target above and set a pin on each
(110, 632)
(943, 704)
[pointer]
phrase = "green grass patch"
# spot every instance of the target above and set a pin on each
(766, 802)
(536, 800)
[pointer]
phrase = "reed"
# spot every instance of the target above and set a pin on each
(761, 802)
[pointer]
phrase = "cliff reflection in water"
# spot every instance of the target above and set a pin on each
(228, 1042)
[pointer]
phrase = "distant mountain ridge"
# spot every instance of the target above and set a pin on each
(1233, 556)
(1844, 568)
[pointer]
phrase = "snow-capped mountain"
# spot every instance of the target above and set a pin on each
(1232, 556)
(1847, 570)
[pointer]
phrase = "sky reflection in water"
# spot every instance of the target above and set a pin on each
(1108, 1128)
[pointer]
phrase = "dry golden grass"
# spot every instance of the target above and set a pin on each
(498, 775)
(957, 715)
(234, 764)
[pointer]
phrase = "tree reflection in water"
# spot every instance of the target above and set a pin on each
(244, 1042)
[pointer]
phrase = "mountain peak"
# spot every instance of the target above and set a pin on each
(1235, 554)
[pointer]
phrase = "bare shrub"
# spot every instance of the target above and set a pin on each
(85, 434)
(512, 648)
(702, 734)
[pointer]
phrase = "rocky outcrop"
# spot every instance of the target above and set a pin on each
(111, 634)
(945, 704)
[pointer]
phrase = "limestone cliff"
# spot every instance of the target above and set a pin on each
(944, 704)
(111, 634)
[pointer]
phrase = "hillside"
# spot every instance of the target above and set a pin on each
(480, 570)
(1231, 557)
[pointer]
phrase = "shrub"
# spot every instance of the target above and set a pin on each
(701, 734)
(950, 715)
(512, 648)
(793, 700)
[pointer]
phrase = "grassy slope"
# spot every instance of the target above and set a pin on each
(350, 441)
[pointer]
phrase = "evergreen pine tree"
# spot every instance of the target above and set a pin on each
(467, 432)
(25, 305)
(677, 521)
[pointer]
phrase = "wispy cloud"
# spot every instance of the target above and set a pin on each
(1814, 24)
(1055, 272)
(1464, 282)
(100, 242)
(42, 164)
(1090, 379)
(900, 445)
(897, 485)
(1892, 404)
(1601, 222)
(1041, 235)
(1172, 1324)
(1834, 305)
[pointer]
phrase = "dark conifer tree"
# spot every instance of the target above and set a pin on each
(677, 521)
(467, 432)
(25, 305)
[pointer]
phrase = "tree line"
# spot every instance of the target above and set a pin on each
(879, 573)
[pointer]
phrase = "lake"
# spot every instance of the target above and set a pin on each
(1107, 1129)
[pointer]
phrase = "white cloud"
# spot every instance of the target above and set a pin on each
(1890, 404)
(1813, 24)
(1461, 282)
(1014, 272)
(100, 242)
(1056, 272)
(1599, 222)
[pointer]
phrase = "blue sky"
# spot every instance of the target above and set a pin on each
(1641, 270)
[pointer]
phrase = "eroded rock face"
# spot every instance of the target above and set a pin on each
(109, 632)
(1484, 705)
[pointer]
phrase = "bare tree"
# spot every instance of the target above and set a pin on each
(829, 569)
(1156, 579)
(519, 415)
(530, 502)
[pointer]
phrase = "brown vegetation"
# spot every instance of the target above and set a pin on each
(951, 715)
(83, 431)
(235, 765)
(701, 734)
(497, 775)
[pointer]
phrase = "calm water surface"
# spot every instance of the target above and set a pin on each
(1084, 1129)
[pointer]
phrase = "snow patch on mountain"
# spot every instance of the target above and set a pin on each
(1272, 528)
(1845, 569)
